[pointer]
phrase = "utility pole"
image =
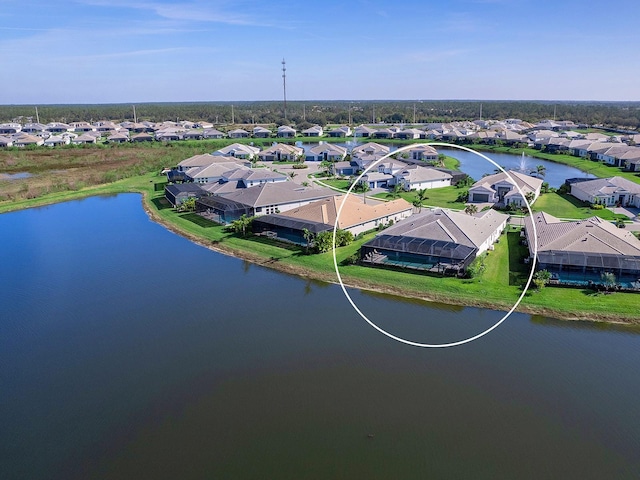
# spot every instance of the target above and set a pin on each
(414, 114)
(480, 112)
(233, 118)
(135, 118)
(37, 116)
(284, 86)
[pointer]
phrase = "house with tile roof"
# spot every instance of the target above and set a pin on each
(610, 191)
(341, 131)
(580, 252)
(261, 132)
(6, 141)
(417, 177)
(238, 150)
(363, 131)
(238, 133)
(213, 172)
(285, 131)
(320, 216)
(281, 152)
(438, 240)
(326, 152)
(501, 188)
(261, 200)
(314, 131)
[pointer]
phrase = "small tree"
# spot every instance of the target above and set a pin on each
(529, 197)
(308, 237)
(189, 205)
(241, 225)
(324, 241)
(471, 209)
(608, 280)
(541, 279)
(395, 191)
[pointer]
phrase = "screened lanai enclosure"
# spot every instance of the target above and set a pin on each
(287, 229)
(437, 256)
(222, 210)
(589, 269)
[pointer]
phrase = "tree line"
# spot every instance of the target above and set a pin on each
(308, 113)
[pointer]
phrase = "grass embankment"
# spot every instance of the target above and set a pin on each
(599, 169)
(498, 287)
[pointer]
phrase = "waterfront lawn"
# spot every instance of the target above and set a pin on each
(567, 206)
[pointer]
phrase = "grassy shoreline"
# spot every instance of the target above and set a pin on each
(495, 290)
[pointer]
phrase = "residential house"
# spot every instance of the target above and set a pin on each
(34, 128)
(384, 133)
(420, 153)
(261, 132)
(409, 134)
(84, 139)
(363, 131)
(106, 127)
(326, 152)
(341, 132)
(375, 179)
(503, 188)
(437, 240)
(118, 137)
(285, 131)
(26, 140)
(10, 128)
(580, 252)
(58, 127)
(238, 150)
(177, 193)
(238, 133)
(281, 152)
(356, 217)
(56, 141)
(315, 131)
(261, 200)
(417, 177)
(81, 127)
(6, 141)
(631, 160)
(142, 137)
(607, 191)
(212, 133)
(193, 134)
(213, 173)
(370, 149)
(344, 169)
(258, 176)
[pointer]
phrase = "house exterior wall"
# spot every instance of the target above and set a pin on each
(427, 184)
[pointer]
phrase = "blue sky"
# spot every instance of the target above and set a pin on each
(105, 51)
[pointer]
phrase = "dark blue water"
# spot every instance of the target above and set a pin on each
(128, 352)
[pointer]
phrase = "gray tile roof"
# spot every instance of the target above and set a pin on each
(592, 235)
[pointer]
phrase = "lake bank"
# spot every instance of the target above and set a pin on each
(556, 302)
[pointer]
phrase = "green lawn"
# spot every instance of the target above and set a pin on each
(436, 197)
(569, 207)
(499, 286)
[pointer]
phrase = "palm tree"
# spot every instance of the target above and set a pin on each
(292, 174)
(395, 191)
(530, 197)
(540, 171)
(241, 224)
(471, 209)
(308, 236)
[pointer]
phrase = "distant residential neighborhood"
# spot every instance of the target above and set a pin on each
(265, 182)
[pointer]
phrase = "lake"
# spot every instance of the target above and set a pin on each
(476, 167)
(129, 352)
